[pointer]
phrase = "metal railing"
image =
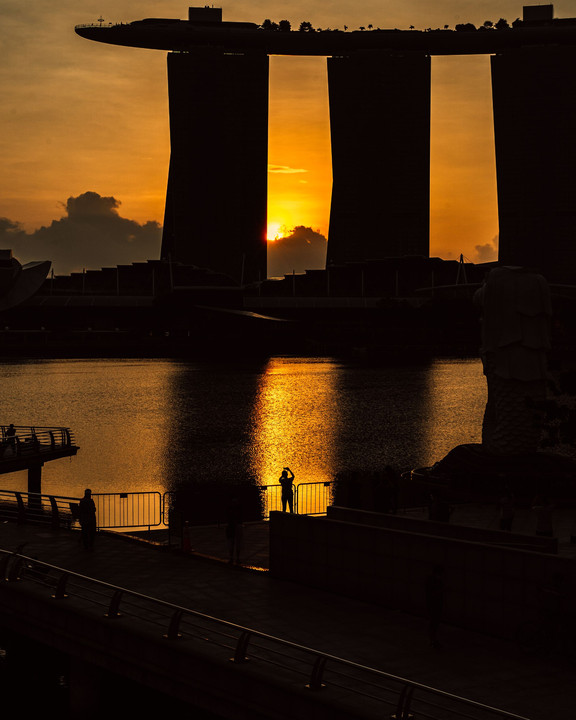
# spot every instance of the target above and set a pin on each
(148, 509)
(313, 498)
(18, 440)
(343, 681)
(309, 498)
(129, 510)
(54, 510)
(113, 510)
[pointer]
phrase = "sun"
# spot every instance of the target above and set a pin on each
(276, 230)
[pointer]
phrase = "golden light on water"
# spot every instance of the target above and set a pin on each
(455, 401)
(295, 421)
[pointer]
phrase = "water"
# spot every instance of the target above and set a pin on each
(150, 425)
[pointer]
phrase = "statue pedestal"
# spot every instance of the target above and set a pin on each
(469, 474)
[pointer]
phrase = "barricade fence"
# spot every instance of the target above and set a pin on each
(128, 510)
(310, 498)
(380, 694)
(113, 510)
(151, 509)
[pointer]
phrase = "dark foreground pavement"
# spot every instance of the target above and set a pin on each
(482, 668)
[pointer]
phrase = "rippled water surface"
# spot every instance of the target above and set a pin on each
(152, 424)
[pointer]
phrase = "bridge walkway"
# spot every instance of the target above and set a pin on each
(26, 447)
(472, 665)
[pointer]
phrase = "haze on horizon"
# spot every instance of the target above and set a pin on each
(84, 119)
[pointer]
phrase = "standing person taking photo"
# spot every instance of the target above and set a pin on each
(286, 481)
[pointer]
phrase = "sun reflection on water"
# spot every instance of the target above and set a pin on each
(295, 420)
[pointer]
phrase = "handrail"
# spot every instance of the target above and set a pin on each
(33, 439)
(24, 562)
(55, 510)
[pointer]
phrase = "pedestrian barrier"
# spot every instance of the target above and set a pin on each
(128, 510)
(309, 498)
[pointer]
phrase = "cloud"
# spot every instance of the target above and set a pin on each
(91, 235)
(285, 169)
(303, 249)
(487, 252)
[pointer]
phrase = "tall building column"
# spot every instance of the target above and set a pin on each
(216, 201)
(380, 134)
(534, 97)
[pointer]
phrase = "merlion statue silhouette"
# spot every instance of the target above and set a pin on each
(516, 320)
(516, 310)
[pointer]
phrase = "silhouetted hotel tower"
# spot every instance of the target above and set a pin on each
(379, 89)
(534, 98)
(215, 215)
(380, 133)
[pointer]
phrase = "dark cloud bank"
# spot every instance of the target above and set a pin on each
(93, 235)
(304, 249)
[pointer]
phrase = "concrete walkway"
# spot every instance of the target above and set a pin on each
(482, 668)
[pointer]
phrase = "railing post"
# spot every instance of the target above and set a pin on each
(296, 499)
(13, 573)
(60, 591)
(173, 633)
(403, 707)
(55, 512)
(317, 672)
(241, 648)
(114, 605)
(21, 509)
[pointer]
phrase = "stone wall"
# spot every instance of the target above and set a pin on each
(488, 588)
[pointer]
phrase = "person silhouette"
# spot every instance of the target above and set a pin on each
(11, 437)
(286, 481)
(87, 519)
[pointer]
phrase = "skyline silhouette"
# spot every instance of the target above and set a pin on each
(95, 128)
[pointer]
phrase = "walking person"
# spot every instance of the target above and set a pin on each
(87, 519)
(286, 481)
(11, 437)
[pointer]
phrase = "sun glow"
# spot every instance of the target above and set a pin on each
(276, 230)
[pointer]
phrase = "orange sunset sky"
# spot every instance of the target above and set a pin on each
(80, 116)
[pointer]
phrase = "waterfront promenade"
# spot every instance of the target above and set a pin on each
(469, 664)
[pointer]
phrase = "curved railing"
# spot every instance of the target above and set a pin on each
(20, 440)
(346, 682)
(24, 507)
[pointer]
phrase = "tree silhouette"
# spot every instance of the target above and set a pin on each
(284, 26)
(306, 27)
(502, 24)
(269, 25)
